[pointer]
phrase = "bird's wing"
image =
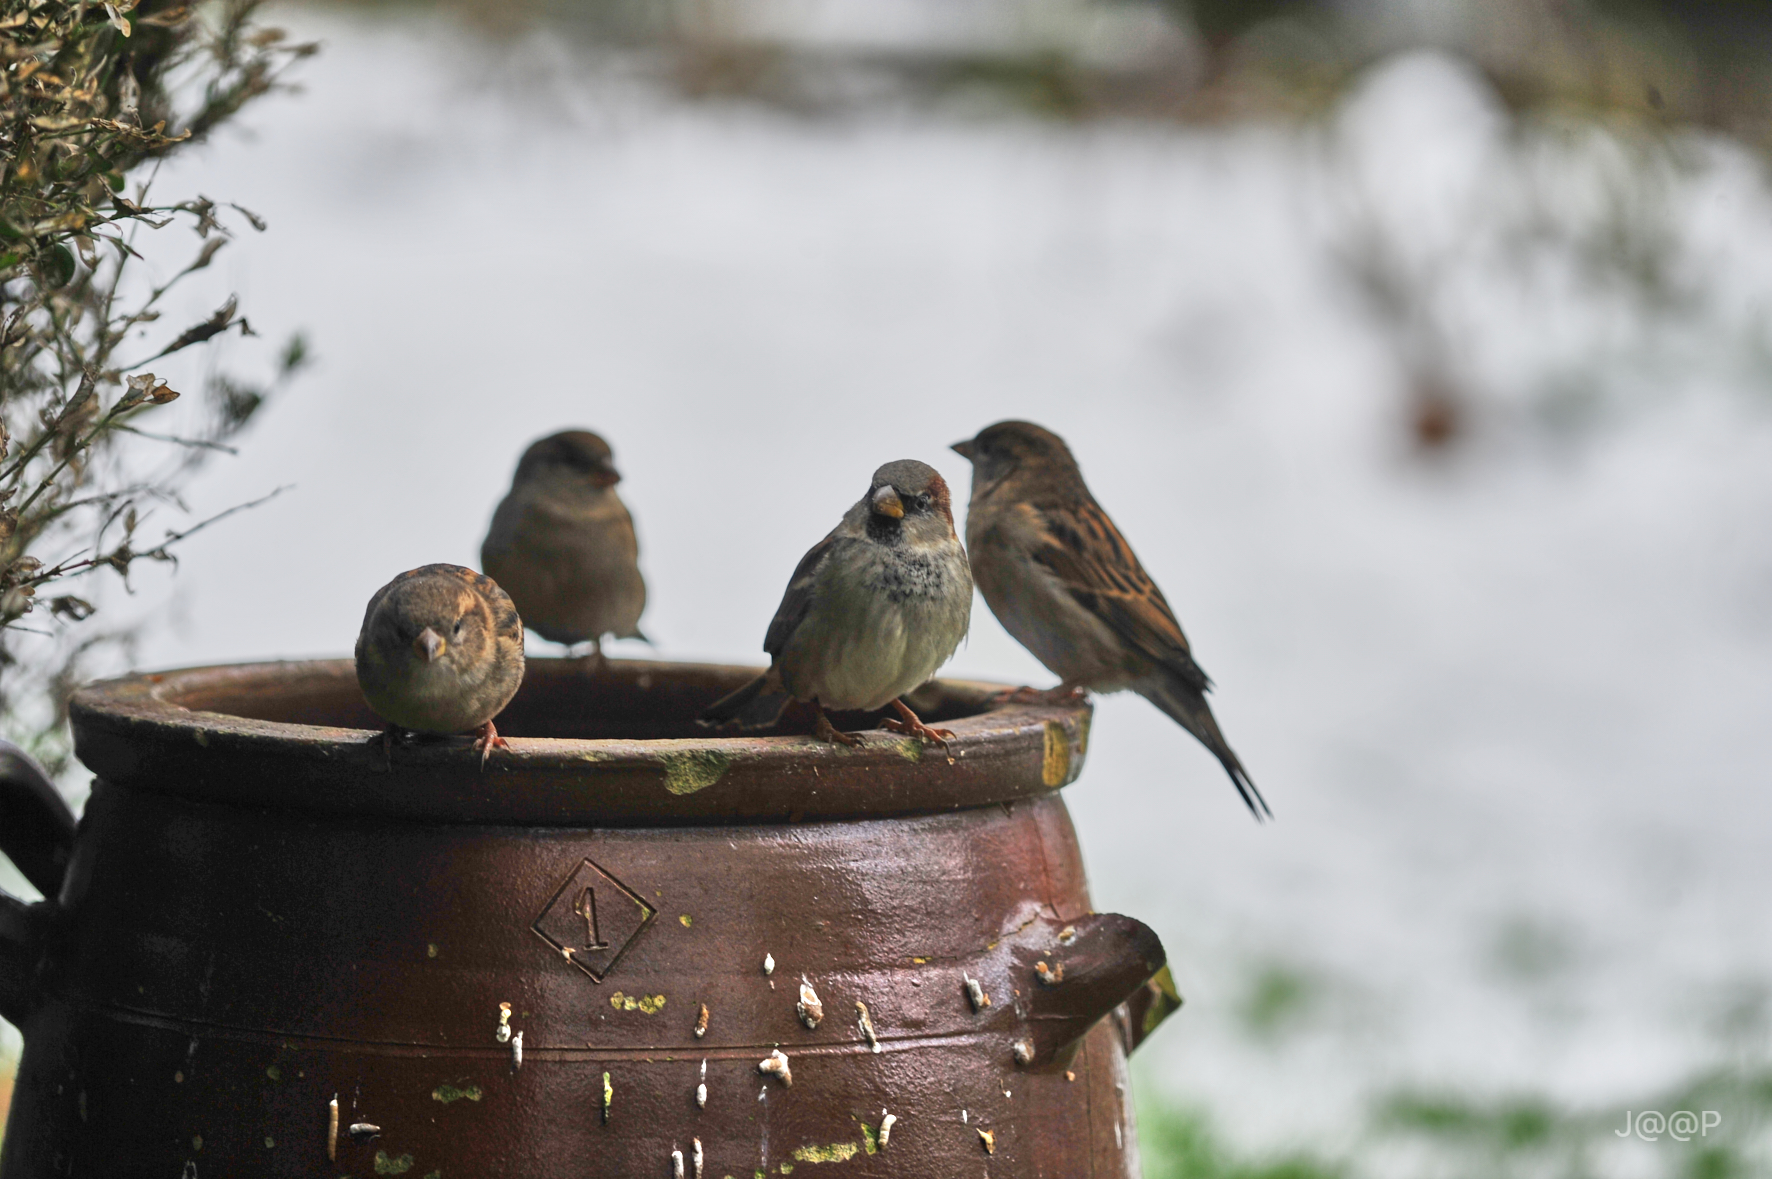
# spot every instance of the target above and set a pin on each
(797, 601)
(375, 599)
(1080, 547)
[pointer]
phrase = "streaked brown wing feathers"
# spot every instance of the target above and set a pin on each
(1087, 554)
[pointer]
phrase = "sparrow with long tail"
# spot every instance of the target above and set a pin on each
(1063, 581)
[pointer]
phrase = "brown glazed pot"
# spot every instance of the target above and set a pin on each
(264, 910)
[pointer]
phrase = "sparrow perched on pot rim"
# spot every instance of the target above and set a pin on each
(870, 613)
(562, 543)
(1060, 578)
(441, 651)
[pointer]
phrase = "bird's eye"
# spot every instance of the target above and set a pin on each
(460, 622)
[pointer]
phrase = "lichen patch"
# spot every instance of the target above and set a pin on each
(694, 770)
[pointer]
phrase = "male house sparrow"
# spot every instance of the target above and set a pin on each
(441, 651)
(870, 613)
(1060, 578)
(562, 543)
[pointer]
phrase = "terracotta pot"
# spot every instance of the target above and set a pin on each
(505, 972)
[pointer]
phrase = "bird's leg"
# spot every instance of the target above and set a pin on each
(486, 739)
(1063, 693)
(388, 736)
(911, 725)
(824, 730)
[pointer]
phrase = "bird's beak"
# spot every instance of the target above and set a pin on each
(605, 477)
(887, 503)
(963, 449)
(429, 644)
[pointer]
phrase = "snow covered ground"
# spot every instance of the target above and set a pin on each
(1504, 706)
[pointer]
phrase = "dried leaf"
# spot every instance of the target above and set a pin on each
(16, 602)
(205, 210)
(68, 606)
(129, 93)
(61, 224)
(210, 248)
(166, 19)
(20, 570)
(82, 395)
(237, 403)
(154, 136)
(214, 325)
(137, 393)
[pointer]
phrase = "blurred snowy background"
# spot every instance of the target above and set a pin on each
(1424, 352)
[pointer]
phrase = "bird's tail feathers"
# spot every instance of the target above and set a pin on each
(754, 706)
(1187, 706)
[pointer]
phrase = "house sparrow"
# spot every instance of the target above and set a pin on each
(870, 613)
(441, 651)
(562, 544)
(1060, 578)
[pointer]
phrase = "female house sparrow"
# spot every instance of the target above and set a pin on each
(870, 613)
(441, 651)
(562, 543)
(1060, 578)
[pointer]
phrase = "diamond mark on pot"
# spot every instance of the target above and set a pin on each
(592, 919)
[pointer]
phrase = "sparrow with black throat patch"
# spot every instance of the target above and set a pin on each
(562, 544)
(870, 613)
(441, 652)
(1061, 579)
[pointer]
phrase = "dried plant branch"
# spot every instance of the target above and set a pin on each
(92, 97)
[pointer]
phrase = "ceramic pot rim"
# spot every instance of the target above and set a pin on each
(167, 732)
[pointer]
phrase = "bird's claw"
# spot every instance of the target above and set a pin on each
(919, 729)
(486, 740)
(911, 725)
(824, 730)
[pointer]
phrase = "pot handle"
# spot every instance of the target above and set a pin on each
(37, 835)
(1079, 972)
